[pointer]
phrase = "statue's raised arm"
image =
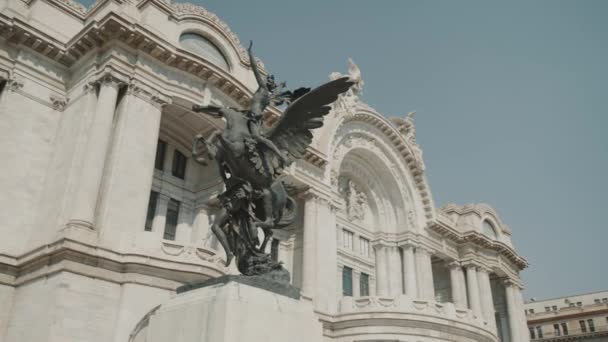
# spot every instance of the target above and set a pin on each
(254, 66)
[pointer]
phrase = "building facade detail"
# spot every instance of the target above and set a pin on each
(104, 213)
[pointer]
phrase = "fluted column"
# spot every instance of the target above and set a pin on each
(458, 285)
(130, 169)
(512, 310)
(409, 271)
(473, 289)
(356, 284)
(309, 246)
(519, 308)
(160, 215)
(85, 201)
(487, 302)
(424, 272)
(394, 271)
(200, 227)
(382, 286)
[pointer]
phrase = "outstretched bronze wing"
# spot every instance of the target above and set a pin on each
(292, 132)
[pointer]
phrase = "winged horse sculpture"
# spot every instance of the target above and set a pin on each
(251, 160)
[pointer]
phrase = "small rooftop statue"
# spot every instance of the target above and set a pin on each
(251, 160)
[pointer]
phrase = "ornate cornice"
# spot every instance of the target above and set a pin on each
(478, 239)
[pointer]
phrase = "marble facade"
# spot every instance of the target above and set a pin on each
(85, 97)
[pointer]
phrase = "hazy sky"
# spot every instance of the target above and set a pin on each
(511, 101)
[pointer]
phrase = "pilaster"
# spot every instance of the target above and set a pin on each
(424, 271)
(458, 285)
(473, 289)
(409, 271)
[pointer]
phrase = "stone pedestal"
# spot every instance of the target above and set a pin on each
(228, 310)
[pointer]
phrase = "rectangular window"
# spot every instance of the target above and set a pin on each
(274, 249)
(583, 326)
(171, 222)
(151, 210)
(554, 307)
(547, 309)
(364, 285)
(539, 331)
(179, 164)
(364, 246)
(571, 305)
(597, 301)
(159, 162)
(347, 281)
(556, 330)
(531, 311)
(579, 304)
(347, 239)
(604, 300)
(532, 334)
(565, 328)
(591, 325)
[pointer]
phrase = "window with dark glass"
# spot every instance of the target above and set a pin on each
(556, 330)
(591, 325)
(364, 285)
(179, 164)
(161, 148)
(539, 331)
(274, 249)
(151, 210)
(347, 281)
(532, 334)
(565, 328)
(171, 221)
(583, 326)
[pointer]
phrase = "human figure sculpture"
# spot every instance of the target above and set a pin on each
(251, 159)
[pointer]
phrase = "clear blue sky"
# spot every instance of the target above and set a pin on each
(511, 100)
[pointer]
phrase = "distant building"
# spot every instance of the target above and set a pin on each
(571, 318)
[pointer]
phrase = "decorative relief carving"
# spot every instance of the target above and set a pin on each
(356, 200)
(348, 101)
(14, 83)
(59, 102)
(407, 128)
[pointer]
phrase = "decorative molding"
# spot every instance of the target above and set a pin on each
(180, 9)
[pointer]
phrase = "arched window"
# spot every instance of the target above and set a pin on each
(201, 46)
(489, 230)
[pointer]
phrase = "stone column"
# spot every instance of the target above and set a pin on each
(458, 285)
(326, 287)
(519, 307)
(409, 271)
(200, 227)
(394, 271)
(130, 169)
(382, 287)
(309, 245)
(424, 272)
(473, 289)
(356, 287)
(487, 302)
(160, 215)
(512, 310)
(85, 201)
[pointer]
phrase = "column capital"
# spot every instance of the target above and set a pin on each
(408, 244)
(147, 93)
(421, 249)
(110, 79)
(454, 264)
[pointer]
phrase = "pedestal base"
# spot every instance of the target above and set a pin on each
(232, 312)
